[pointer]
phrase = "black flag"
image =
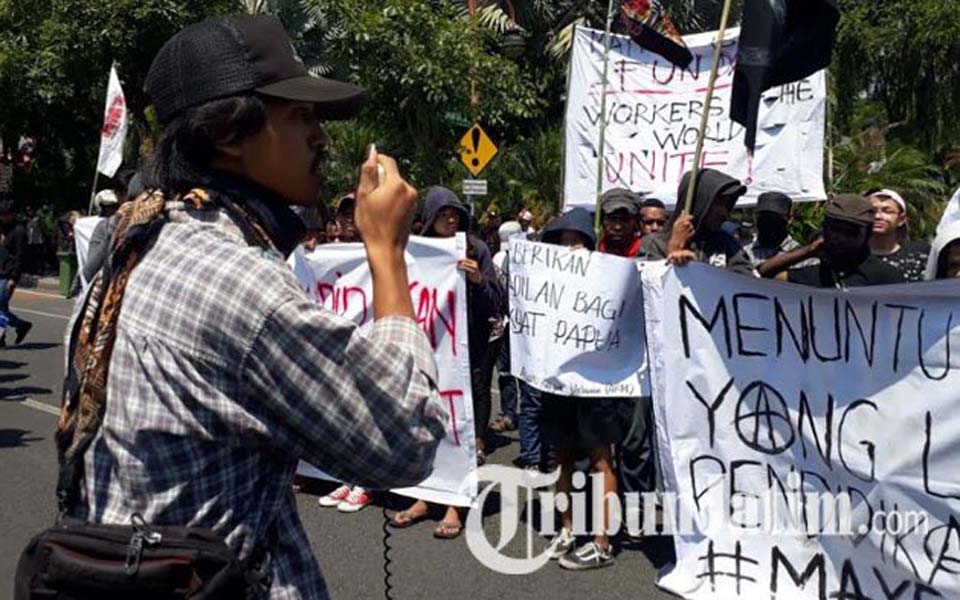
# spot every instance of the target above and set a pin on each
(780, 41)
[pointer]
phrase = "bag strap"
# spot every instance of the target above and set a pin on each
(70, 470)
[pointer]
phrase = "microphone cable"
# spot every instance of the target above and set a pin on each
(387, 574)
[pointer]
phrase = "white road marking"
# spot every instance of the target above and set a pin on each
(44, 294)
(17, 309)
(41, 406)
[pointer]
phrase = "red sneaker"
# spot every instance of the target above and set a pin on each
(355, 501)
(335, 497)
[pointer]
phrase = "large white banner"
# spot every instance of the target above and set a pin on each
(576, 321)
(777, 405)
(337, 277)
(653, 113)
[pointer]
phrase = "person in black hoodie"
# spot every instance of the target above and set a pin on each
(443, 216)
(582, 426)
(698, 236)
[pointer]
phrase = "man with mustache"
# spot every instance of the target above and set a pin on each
(209, 370)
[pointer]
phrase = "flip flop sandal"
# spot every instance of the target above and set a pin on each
(406, 518)
(447, 531)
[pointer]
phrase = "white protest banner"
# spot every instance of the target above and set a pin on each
(337, 277)
(114, 130)
(576, 321)
(653, 115)
(82, 232)
(809, 435)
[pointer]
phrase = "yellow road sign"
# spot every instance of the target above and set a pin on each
(476, 149)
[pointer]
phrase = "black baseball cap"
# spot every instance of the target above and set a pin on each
(774, 202)
(617, 198)
(850, 208)
(228, 56)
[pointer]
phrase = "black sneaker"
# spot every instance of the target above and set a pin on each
(590, 556)
(22, 331)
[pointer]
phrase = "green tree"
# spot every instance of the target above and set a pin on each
(55, 56)
(417, 59)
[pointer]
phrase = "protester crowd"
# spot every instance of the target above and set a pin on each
(222, 374)
(864, 240)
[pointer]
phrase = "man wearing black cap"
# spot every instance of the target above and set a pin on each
(222, 373)
(773, 214)
(844, 251)
(619, 217)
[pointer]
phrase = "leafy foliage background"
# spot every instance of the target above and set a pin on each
(894, 93)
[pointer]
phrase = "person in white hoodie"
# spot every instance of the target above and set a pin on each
(944, 260)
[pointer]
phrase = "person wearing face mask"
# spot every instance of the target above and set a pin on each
(843, 250)
(773, 217)
(699, 235)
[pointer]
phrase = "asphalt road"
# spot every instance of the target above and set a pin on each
(348, 547)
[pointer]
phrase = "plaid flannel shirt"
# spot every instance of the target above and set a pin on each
(224, 374)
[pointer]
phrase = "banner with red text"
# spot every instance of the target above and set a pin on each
(654, 109)
(337, 277)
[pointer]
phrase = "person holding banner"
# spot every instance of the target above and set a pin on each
(443, 216)
(577, 426)
(211, 373)
(622, 237)
(699, 236)
(844, 251)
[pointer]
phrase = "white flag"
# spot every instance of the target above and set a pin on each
(114, 130)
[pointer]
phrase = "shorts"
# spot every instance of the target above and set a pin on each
(585, 423)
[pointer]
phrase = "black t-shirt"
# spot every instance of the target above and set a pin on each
(872, 271)
(910, 259)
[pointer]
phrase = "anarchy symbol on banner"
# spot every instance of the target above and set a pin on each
(764, 418)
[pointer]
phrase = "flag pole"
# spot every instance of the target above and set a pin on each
(93, 190)
(717, 47)
(603, 113)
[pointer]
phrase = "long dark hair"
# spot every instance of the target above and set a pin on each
(188, 144)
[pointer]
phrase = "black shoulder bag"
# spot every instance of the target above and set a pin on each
(75, 560)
